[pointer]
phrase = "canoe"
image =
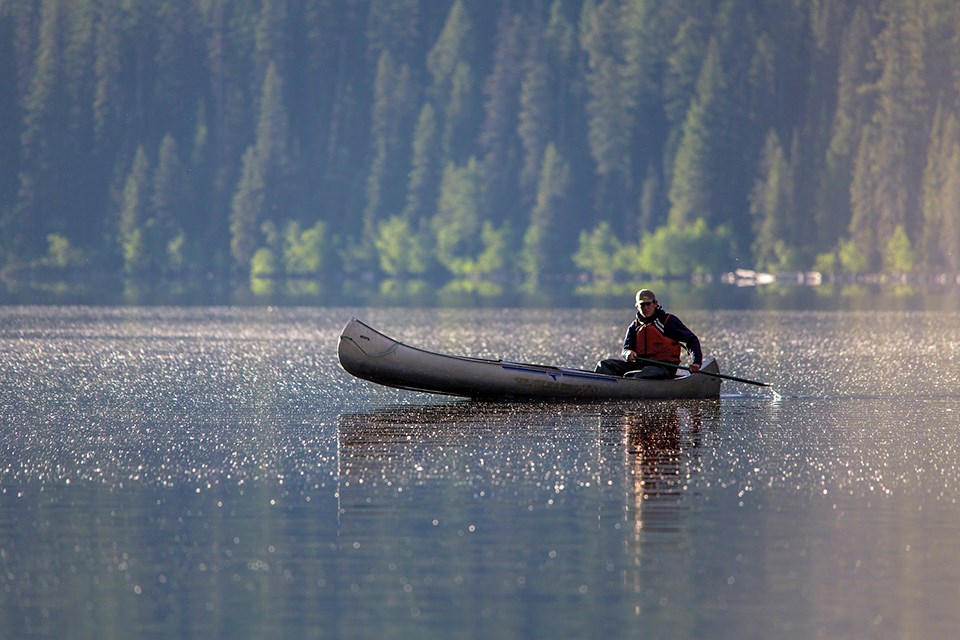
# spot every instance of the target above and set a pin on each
(370, 355)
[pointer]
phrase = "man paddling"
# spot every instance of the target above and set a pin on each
(654, 335)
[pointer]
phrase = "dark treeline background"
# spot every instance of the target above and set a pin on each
(479, 138)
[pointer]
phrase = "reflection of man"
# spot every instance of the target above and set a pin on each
(656, 335)
(661, 446)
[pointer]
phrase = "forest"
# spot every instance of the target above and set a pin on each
(510, 140)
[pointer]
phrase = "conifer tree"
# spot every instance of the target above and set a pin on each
(894, 143)
(544, 248)
(497, 141)
(457, 223)
(692, 194)
(772, 207)
(246, 209)
(263, 192)
(45, 108)
(833, 206)
(425, 165)
(608, 108)
(134, 214)
(169, 197)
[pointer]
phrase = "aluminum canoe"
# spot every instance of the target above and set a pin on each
(368, 354)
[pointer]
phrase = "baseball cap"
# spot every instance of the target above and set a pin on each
(644, 295)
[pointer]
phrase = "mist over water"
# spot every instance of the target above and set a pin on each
(202, 472)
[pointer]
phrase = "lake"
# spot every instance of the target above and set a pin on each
(204, 472)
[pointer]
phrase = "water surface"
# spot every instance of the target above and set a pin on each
(212, 472)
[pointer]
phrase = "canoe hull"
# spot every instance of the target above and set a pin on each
(371, 355)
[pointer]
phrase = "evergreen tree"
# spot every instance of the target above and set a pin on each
(544, 248)
(833, 206)
(950, 203)
(900, 117)
(392, 109)
(11, 118)
(533, 120)
(45, 108)
(246, 210)
(393, 25)
(425, 165)
(457, 224)
(263, 191)
(169, 197)
(609, 116)
(134, 215)
(453, 87)
(692, 192)
(941, 195)
(270, 38)
(772, 207)
(497, 141)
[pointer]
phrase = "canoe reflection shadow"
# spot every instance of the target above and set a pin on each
(661, 456)
(402, 445)
(648, 450)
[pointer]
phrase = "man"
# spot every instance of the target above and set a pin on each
(655, 335)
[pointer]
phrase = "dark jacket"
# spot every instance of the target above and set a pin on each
(671, 327)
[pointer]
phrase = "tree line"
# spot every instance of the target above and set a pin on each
(529, 139)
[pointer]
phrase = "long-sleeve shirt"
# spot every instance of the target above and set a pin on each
(672, 327)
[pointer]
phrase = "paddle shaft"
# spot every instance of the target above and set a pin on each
(706, 373)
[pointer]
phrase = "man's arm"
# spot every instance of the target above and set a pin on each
(629, 351)
(678, 331)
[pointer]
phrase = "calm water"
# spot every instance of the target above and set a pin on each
(212, 472)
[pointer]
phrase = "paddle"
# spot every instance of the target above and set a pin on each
(706, 373)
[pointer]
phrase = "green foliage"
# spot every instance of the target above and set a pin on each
(263, 264)
(402, 251)
(597, 252)
(826, 262)
(543, 236)
(772, 205)
(246, 209)
(493, 258)
(61, 254)
(899, 256)
(685, 250)
(304, 251)
(457, 223)
(134, 214)
(853, 259)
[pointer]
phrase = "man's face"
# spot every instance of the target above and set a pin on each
(647, 307)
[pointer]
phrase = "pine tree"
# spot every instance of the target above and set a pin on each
(772, 207)
(544, 249)
(425, 165)
(42, 152)
(169, 197)
(457, 223)
(134, 215)
(692, 192)
(246, 210)
(497, 141)
(533, 120)
(263, 191)
(901, 112)
(833, 204)
(391, 112)
(393, 25)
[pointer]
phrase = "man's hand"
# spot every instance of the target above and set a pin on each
(629, 356)
(694, 368)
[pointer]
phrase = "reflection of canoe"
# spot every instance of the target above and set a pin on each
(370, 355)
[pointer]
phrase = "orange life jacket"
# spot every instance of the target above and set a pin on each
(651, 343)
